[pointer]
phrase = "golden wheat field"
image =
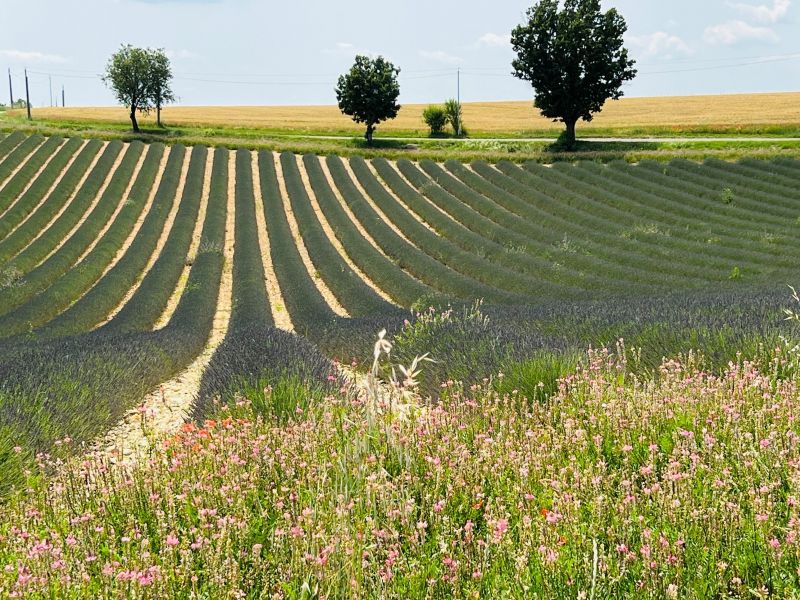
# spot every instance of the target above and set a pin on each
(518, 117)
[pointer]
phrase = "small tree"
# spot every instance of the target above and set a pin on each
(574, 58)
(453, 112)
(128, 74)
(435, 118)
(368, 92)
(160, 81)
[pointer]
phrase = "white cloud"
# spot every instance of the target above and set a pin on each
(661, 44)
(34, 57)
(180, 54)
(763, 13)
(440, 56)
(734, 32)
(349, 50)
(494, 40)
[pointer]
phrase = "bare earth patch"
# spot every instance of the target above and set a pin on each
(334, 304)
(164, 411)
(280, 315)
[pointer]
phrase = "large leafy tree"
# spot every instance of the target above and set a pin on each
(368, 92)
(574, 58)
(140, 79)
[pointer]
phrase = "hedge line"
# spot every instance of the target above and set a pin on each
(36, 223)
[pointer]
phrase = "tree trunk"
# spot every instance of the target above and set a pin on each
(158, 115)
(133, 120)
(370, 132)
(569, 138)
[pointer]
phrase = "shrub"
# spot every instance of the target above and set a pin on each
(453, 110)
(435, 118)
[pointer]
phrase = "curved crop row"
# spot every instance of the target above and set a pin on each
(250, 300)
(684, 237)
(69, 287)
(399, 285)
(101, 300)
(457, 247)
(523, 240)
(53, 235)
(56, 199)
(348, 287)
(550, 233)
(11, 141)
(31, 198)
(18, 155)
(60, 261)
(147, 304)
(14, 186)
(303, 300)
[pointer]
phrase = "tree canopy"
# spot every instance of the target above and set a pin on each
(140, 79)
(574, 58)
(369, 91)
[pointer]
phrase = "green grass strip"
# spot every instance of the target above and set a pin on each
(39, 187)
(43, 215)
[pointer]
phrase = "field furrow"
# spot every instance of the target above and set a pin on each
(25, 174)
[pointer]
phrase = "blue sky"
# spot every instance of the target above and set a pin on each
(244, 52)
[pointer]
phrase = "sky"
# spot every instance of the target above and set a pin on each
(261, 52)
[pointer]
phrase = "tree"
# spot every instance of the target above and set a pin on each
(160, 81)
(574, 59)
(128, 74)
(369, 92)
(435, 118)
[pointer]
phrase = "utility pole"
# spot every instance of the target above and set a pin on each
(27, 95)
(10, 89)
(50, 79)
(63, 101)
